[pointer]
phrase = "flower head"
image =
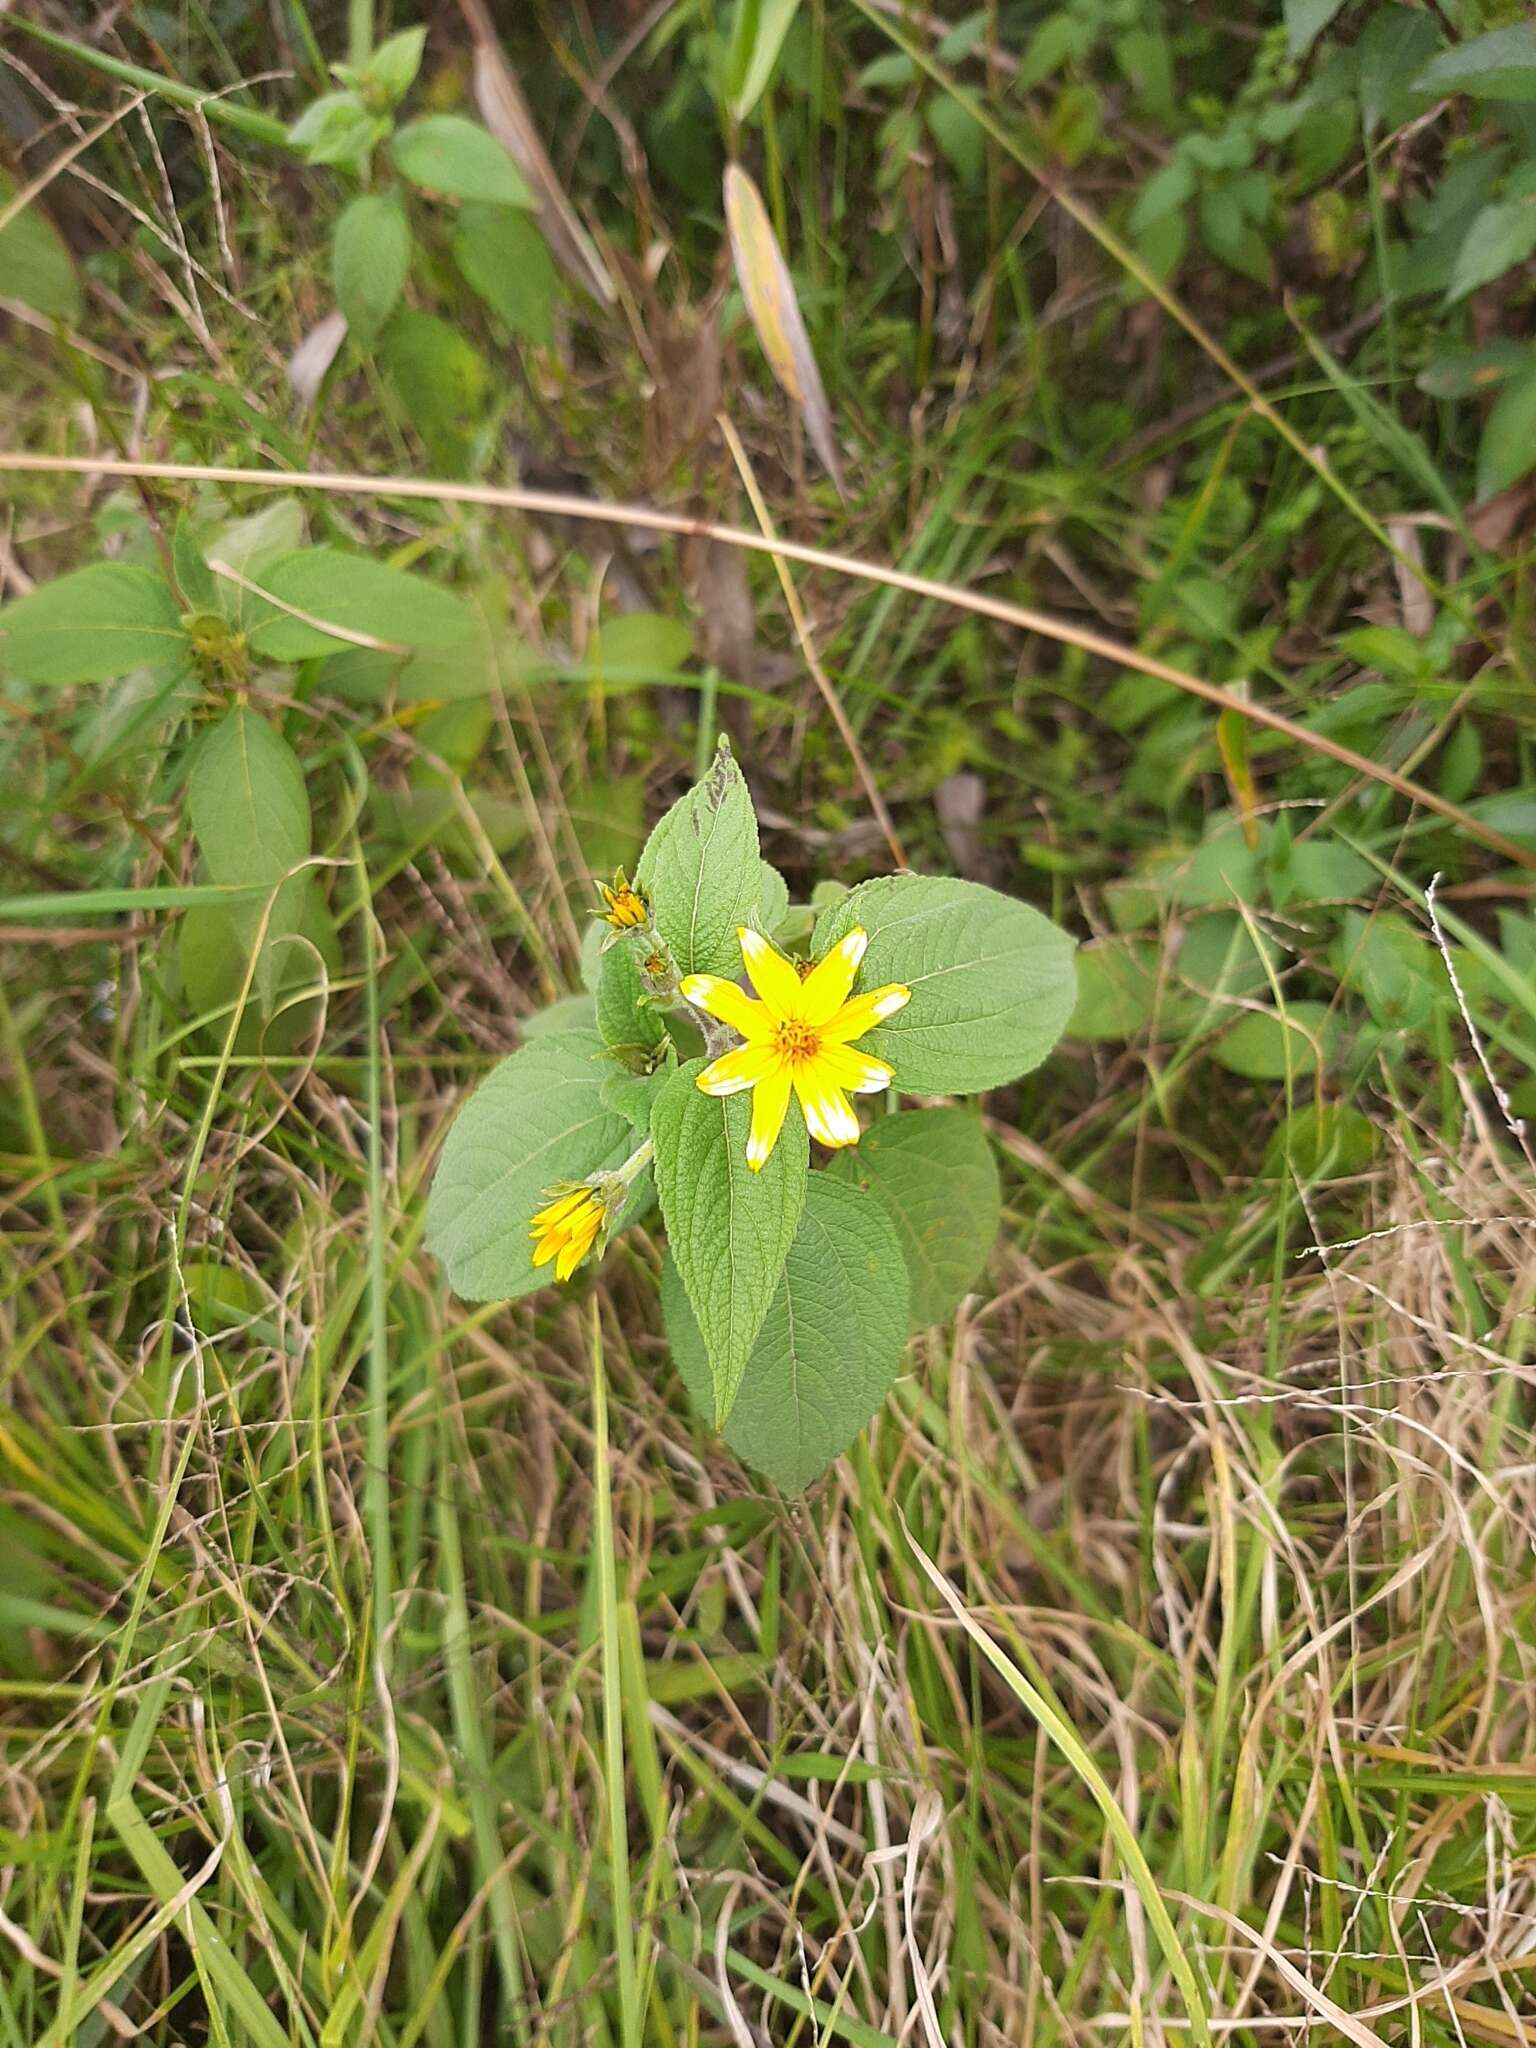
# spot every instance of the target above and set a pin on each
(567, 1229)
(624, 905)
(799, 1037)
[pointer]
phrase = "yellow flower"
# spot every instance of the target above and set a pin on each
(797, 1036)
(567, 1230)
(624, 906)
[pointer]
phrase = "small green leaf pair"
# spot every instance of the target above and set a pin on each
(788, 1293)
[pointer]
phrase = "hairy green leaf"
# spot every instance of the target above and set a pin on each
(361, 596)
(830, 1345)
(535, 1120)
(505, 259)
(935, 1175)
(91, 626)
(992, 980)
(702, 872)
(35, 264)
(446, 153)
(729, 1228)
(370, 255)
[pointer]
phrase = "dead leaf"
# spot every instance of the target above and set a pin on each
(959, 803)
(1493, 522)
(775, 312)
(1418, 605)
(314, 356)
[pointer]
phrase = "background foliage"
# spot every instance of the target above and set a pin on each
(376, 1670)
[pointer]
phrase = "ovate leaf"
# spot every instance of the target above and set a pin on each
(1498, 66)
(1500, 236)
(35, 265)
(1305, 21)
(830, 1346)
(506, 260)
(702, 871)
(761, 26)
(446, 153)
(620, 1018)
(92, 625)
(1507, 450)
(729, 1228)
(361, 596)
(1268, 1045)
(251, 819)
(992, 980)
(934, 1174)
(370, 255)
(537, 1119)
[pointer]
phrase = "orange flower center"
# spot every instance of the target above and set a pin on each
(795, 1042)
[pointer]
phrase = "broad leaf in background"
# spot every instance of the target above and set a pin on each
(370, 255)
(1498, 66)
(729, 1228)
(1507, 450)
(830, 1346)
(35, 264)
(934, 1174)
(702, 871)
(444, 385)
(446, 153)
(992, 980)
(537, 1119)
(505, 259)
(91, 626)
(250, 817)
(1266, 1045)
(362, 596)
(769, 294)
(761, 26)
(1305, 21)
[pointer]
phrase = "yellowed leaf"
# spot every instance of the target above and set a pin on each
(775, 312)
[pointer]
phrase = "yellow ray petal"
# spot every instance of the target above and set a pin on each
(828, 1112)
(864, 1013)
(723, 999)
(827, 985)
(772, 975)
(859, 1072)
(743, 1068)
(769, 1102)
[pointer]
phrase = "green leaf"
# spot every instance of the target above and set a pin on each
(443, 382)
(1320, 1141)
(935, 1175)
(633, 1097)
(1395, 46)
(505, 259)
(570, 1013)
(247, 801)
(1265, 1045)
(620, 1018)
(194, 578)
(1305, 21)
(729, 1228)
(702, 871)
(772, 900)
(446, 153)
(1121, 991)
(361, 595)
(35, 264)
(637, 647)
(250, 817)
(91, 626)
(395, 63)
(1498, 66)
(370, 255)
(992, 980)
(1507, 450)
(830, 1347)
(1500, 236)
(536, 1119)
(761, 26)
(338, 128)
